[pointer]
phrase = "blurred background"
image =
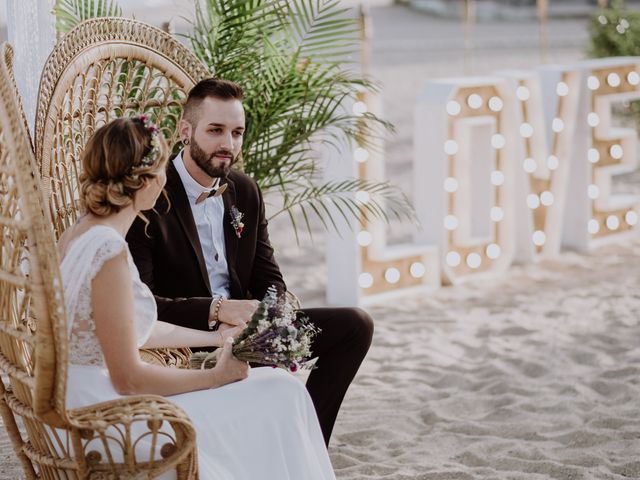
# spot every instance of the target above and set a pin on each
(413, 41)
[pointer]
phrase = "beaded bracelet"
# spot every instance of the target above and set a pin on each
(216, 309)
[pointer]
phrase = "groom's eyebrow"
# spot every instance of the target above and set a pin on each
(214, 124)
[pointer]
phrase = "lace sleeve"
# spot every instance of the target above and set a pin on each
(84, 259)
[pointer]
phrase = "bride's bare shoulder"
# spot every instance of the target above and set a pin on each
(69, 235)
(64, 241)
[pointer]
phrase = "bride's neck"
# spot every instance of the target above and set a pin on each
(120, 221)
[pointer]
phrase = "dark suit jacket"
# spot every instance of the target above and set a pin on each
(171, 262)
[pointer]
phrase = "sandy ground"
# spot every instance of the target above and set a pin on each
(532, 376)
(535, 376)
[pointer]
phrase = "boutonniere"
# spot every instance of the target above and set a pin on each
(236, 220)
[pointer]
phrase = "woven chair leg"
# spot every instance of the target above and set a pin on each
(11, 427)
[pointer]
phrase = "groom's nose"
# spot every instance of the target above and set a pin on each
(227, 142)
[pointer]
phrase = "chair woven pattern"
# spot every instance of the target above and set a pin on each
(28, 277)
(106, 89)
(132, 437)
(103, 69)
(143, 435)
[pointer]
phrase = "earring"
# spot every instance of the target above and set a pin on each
(185, 141)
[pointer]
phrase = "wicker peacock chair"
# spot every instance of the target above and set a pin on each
(103, 69)
(92, 442)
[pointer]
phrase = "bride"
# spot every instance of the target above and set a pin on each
(250, 424)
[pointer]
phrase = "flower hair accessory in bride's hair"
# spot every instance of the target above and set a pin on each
(154, 153)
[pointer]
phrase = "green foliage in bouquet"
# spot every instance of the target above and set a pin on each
(294, 59)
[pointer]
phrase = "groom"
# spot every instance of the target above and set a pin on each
(207, 257)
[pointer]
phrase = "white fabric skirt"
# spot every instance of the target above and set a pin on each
(264, 427)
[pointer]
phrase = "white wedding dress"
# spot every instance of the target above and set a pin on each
(261, 428)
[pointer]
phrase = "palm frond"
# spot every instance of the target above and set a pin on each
(70, 13)
(351, 198)
(322, 31)
(290, 57)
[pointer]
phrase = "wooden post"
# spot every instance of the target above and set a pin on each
(366, 28)
(469, 17)
(543, 15)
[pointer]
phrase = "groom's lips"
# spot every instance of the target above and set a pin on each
(221, 157)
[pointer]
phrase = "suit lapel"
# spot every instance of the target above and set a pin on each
(180, 205)
(230, 237)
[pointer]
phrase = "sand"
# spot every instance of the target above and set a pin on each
(535, 376)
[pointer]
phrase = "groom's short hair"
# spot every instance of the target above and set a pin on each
(209, 87)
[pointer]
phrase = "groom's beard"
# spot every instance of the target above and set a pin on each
(205, 161)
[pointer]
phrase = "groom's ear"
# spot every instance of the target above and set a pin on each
(184, 129)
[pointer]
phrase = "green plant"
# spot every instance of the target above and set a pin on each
(71, 12)
(614, 32)
(293, 57)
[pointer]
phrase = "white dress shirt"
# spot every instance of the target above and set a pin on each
(208, 216)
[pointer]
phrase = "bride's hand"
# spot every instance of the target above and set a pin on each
(230, 331)
(229, 369)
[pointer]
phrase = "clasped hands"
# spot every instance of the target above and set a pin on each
(234, 315)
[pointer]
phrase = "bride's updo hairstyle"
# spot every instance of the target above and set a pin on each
(116, 162)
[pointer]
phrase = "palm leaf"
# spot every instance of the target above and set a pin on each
(290, 57)
(338, 196)
(70, 13)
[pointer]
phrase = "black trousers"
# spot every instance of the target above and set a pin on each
(341, 346)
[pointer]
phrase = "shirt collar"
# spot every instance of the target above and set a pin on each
(193, 188)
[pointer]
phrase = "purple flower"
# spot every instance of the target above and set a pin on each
(276, 336)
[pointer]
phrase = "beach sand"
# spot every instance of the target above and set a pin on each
(533, 376)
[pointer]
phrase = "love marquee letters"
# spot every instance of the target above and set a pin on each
(506, 168)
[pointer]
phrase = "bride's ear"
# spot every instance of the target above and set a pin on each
(141, 192)
(146, 184)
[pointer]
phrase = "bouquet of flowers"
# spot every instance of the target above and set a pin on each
(276, 336)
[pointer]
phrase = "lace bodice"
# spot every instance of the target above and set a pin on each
(83, 260)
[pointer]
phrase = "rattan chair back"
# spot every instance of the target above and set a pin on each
(100, 441)
(30, 288)
(103, 69)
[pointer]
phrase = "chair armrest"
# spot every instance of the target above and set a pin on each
(293, 300)
(133, 437)
(167, 357)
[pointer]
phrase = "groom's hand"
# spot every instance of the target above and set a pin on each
(232, 331)
(237, 312)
